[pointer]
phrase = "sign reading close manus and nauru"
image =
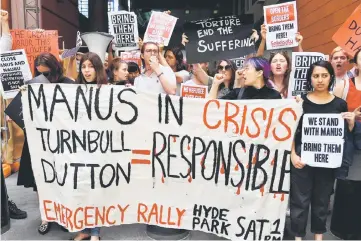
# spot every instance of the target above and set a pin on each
(124, 28)
(112, 155)
(218, 38)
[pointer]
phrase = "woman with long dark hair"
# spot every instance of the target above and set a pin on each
(312, 186)
(118, 72)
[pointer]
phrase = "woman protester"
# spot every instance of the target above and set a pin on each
(312, 186)
(91, 72)
(118, 72)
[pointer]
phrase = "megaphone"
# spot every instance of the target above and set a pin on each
(97, 42)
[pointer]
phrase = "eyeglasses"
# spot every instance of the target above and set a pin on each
(227, 67)
(154, 51)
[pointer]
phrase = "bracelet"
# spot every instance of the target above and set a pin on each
(160, 74)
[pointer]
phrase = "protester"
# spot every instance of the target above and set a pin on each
(199, 71)
(5, 45)
(174, 58)
(157, 77)
(346, 218)
(256, 74)
(134, 72)
(91, 72)
(312, 185)
(118, 72)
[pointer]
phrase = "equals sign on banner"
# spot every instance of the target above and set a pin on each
(145, 153)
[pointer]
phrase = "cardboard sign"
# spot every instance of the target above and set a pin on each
(348, 36)
(218, 38)
(124, 28)
(35, 43)
(322, 140)
(160, 28)
(159, 159)
(132, 56)
(301, 62)
(194, 91)
(70, 52)
(14, 71)
(281, 24)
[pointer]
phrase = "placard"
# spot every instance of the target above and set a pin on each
(301, 62)
(14, 71)
(322, 140)
(35, 42)
(281, 24)
(183, 163)
(124, 28)
(132, 56)
(194, 91)
(160, 28)
(218, 38)
(239, 62)
(348, 36)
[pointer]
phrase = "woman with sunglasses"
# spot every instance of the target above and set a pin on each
(47, 65)
(255, 76)
(91, 72)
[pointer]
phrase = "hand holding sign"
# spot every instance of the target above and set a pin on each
(299, 38)
(4, 15)
(350, 118)
(263, 31)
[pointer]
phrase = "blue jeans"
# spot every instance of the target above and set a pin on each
(92, 231)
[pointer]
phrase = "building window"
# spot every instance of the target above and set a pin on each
(83, 7)
(111, 6)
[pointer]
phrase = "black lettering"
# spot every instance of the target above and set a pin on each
(41, 96)
(101, 175)
(135, 109)
(62, 99)
(156, 154)
(87, 104)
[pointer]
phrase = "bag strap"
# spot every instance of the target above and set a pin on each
(240, 93)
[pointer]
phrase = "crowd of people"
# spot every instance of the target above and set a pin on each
(332, 88)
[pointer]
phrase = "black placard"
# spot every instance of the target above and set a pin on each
(218, 38)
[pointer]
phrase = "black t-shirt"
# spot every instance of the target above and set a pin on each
(335, 106)
(251, 93)
(65, 80)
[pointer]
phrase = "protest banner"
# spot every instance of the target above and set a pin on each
(132, 56)
(35, 42)
(281, 24)
(124, 28)
(218, 38)
(194, 91)
(14, 72)
(160, 28)
(112, 155)
(301, 62)
(239, 62)
(348, 36)
(322, 140)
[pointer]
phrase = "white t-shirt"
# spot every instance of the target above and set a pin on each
(6, 43)
(345, 82)
(152, 83)
(185, 76)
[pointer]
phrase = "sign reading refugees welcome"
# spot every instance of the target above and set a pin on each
(112, 155)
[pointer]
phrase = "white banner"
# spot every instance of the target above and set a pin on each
(14, 71)
(301, 62)
(109, 156)
(124, 28)
(322, 140)
(282, 26)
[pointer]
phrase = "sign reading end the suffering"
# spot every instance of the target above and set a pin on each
(281, 24)
(218, 38)
(348, 36)
(322, 140)
(110, 155)
(124, 28)
(301, 62)
(14, 72)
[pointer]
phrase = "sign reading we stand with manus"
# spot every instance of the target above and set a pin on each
(112, 155)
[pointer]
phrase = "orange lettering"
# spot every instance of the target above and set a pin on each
(169, 216)
(180, 214)
(57, 211)
(244, 117)
(77, 221)
(141, 213)
(47, 209)
(122, 211)
(68, 214)
(87, 216)
(269, 123)
(153, 211)
(161, 215)
(255, 122)
(205, 115)
(107, 216)
(229, 118)
(98, 216)
(284, 124)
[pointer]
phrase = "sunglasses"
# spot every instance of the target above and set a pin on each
(227, 67)
(46, 74)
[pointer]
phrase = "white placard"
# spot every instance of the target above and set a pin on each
(322, 140)
(282, 26)
(301, 62)
(127, 156)
(14, 71)
(124, 28)
(160, 28)
(194, 91)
